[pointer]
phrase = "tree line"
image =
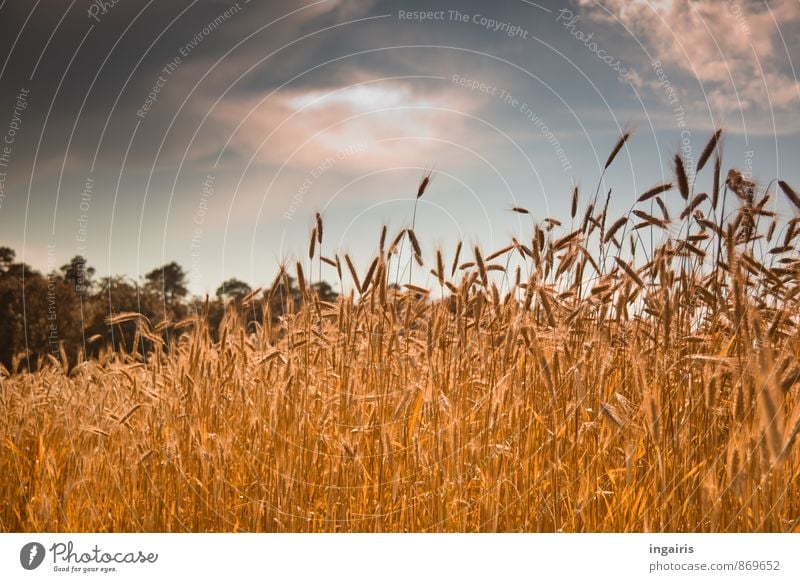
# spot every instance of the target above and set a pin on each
(68, 313)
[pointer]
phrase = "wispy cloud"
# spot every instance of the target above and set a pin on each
(390, 121)
(738, 51)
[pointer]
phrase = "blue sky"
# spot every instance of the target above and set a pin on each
(210, 132)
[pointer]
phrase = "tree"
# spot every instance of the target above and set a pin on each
(39, 314)
(324, 291)
(78, 275)
(43, 313)
(117, 295)
(7, 256)
(169, 280)
(233, 288)
(285, 297)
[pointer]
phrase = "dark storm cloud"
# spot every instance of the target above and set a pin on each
(90, 69)
(91, 65)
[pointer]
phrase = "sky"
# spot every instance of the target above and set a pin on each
(210, 132)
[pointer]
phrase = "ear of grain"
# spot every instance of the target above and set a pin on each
(612, 414)
(454, 267)
(423, 185)
(655, 191)
(382, 242)
(708, 150)
(574, 207)
(381, 281)
(790, 194)
(353, 272)
(771, 421)
(790, 439)
(301, 279)
(663, 208)
(566, 240)
(500, 252)
(439, 267)
(717, 173)
(273, 288)
(619, 223)
(617, 147)
(312, 243)
(587, 217)
(481, 267)
(629, 271)
(125, 417)
(396, 241)
(683, 180)
(368, 276)
(650, 219)
(415, 246)
(319, 227)
(696, 201)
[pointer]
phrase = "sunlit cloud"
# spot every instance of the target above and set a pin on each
(359, 98)
(734, 49)
(390, 122)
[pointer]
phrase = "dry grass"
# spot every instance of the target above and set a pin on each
(585, 382)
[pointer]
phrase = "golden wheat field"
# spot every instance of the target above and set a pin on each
(605, 374)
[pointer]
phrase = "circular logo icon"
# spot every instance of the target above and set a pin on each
(31, 555)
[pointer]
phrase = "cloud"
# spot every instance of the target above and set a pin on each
(352, 8)
(733, 49)
(387, 121)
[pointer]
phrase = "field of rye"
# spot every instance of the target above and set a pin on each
(605, 374)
